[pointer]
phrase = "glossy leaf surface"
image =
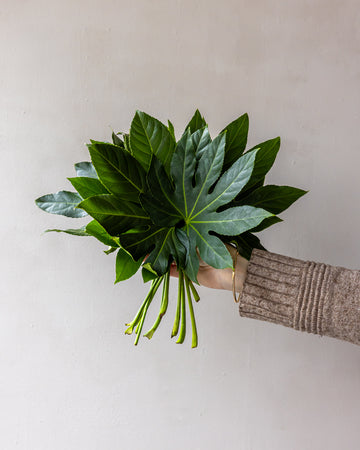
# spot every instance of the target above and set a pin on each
(125, 266)
(115, 215)
(120, 173)
(63, 203)
(87, 187)
(85, 169)
(148, 136)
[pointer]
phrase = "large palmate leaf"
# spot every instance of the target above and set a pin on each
(119, 172)
(148, 136)
(194, 206)
(114, 214)
(63, 203)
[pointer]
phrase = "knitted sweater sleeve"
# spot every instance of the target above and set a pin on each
(307, 296)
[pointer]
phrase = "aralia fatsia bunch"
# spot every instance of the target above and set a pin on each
(155, 200)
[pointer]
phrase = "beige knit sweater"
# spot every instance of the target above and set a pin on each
(303, 295)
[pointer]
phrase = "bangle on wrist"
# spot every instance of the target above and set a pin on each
(236, 300)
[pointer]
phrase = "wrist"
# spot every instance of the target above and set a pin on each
(240, 271)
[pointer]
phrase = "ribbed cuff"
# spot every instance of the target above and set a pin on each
(286, 291)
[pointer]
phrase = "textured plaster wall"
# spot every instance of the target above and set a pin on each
(73, 70)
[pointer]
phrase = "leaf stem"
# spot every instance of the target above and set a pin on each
(193, 290)
(177, 314)
(141, 323)
(163, 305)
(194, 340)
(154, 285)
(183, 311)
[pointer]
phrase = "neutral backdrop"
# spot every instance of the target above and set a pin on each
(74, 70)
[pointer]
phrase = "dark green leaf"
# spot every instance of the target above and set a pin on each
(62, 202)
(117, 140)
(159, 197)
(265, 157)
(275, 199)
(245, 243)
(163, 244)
(266, 223)
(118, 170)
(147, 273)
(236, 138)
(127, 143)
(126, 267)
(196, 122)
(171, 130)
(87, 187)
(97, 231)
(85, 169)
(115, 215)
(149, 136)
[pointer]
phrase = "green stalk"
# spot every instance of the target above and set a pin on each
(183, 311)
(194, 291)
(141, 323)
(163, 305)
(194, 340)
(154, 285)
(177, 314)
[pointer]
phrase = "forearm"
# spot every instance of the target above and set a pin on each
(303, 295)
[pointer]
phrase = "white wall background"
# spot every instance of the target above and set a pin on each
(73, 70)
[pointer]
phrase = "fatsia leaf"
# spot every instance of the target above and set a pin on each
(171, 130)
(117, 140)
(148, 273)
(196, 122)
(275, 199)
(87, 187)
(161, 243)
(266, 223)
(196, 206)
(201, 139)
(265, 156)
(236, 138)
(97, 231)
(149, 136)
(231, 221)
(76, 232)
(127, 143)
(118, 170)
(85, 169)
(245, 243)
(114, 214)
(125, 266)
(64, 203)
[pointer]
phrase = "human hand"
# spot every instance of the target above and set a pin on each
(220, 278)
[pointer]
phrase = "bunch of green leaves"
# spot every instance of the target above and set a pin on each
(158, 201)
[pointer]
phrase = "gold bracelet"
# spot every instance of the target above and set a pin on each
(236, 300)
